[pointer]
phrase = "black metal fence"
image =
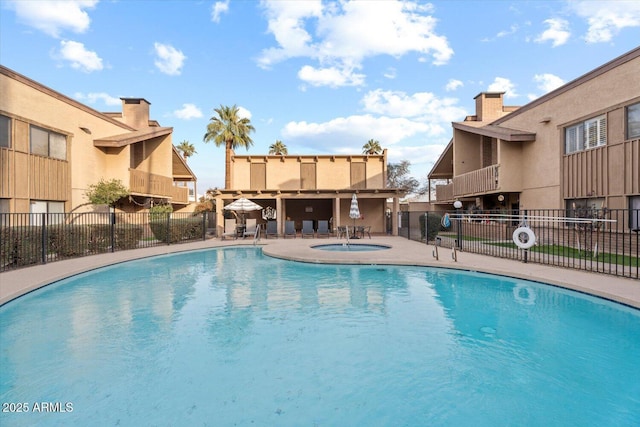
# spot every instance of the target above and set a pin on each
(28, 239)
(599, 240)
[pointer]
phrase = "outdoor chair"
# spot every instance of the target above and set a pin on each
(250, 227)
(307, 228)
(272, 229)
(365, 230)
(289, 229)
(229, 229)
(323, 228)
(342, 231)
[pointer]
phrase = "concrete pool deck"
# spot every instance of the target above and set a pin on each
(402, 252)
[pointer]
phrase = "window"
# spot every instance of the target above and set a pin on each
(634, 213)
(5, 132)
(52, 209)
(48, 144)
(633, 121)
(588, 134)
(4, 209)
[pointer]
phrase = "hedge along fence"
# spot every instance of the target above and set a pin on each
(173, 230)
(28, 239)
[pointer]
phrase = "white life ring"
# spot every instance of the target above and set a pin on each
(524, 242)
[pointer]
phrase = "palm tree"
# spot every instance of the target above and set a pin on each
(187, 149)
(371, 147)
(278, 148)
(231, 131)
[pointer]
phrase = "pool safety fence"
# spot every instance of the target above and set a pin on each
(39, 238)
(599, 240)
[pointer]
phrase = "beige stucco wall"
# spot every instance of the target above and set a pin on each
(28, 103)
(332, 172)
(542, 159)
(466, 152)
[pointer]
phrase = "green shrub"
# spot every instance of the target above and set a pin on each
(99, 238)
(432, 225)
(69, 240)
(127, 236)
(179, 229)
(159, 212)
(20, 246)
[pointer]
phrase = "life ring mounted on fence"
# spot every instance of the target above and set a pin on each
(524, 237)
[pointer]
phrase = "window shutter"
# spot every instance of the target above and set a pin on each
(602, 131)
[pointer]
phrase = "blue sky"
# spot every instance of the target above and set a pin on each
(323, 77)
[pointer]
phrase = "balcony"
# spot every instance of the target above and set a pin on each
(475, 183)
(148, 184)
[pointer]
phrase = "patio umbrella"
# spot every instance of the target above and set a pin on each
(354, 212)
(242, 206)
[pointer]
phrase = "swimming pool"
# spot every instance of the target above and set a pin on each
(232, 337)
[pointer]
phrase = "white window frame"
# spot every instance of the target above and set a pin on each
(585, 135)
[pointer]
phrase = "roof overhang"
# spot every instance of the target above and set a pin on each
(129, 138)
(443, 168)
(494, 131)
(180, 170)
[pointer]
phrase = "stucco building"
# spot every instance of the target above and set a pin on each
(314, 187)
(578, 145)
(52, 148)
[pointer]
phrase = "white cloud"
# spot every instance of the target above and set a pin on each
(243, 113)
(453, 84)
(79, 57)
(53, 17)
(548, 82)
(332, 76)
(188, 112)
(501, 84)
(607, 18)
(557, 32)
(340, 35)
(390, 74)
(424, 106)
(169, 59)
(404, 121)
(348, 134)
(94, 97)
(218, 9)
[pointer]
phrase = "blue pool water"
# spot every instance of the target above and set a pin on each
(351, 247)
(231, 337)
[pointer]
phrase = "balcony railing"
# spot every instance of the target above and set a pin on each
(149, 184)
(480, 181)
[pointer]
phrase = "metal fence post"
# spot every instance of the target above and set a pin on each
(43, 221)
(113, 231)
(204, 226)
(168, 228)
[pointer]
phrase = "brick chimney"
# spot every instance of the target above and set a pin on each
(135, 112)
(489, 106)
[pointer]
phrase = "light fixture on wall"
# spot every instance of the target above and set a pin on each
(546, 119)
(85, 130)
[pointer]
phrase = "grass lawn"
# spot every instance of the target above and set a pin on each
(569, 252)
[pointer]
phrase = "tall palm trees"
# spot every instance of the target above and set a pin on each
(371, 147)
(230, 130)
(278, 148)
(187, 149)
